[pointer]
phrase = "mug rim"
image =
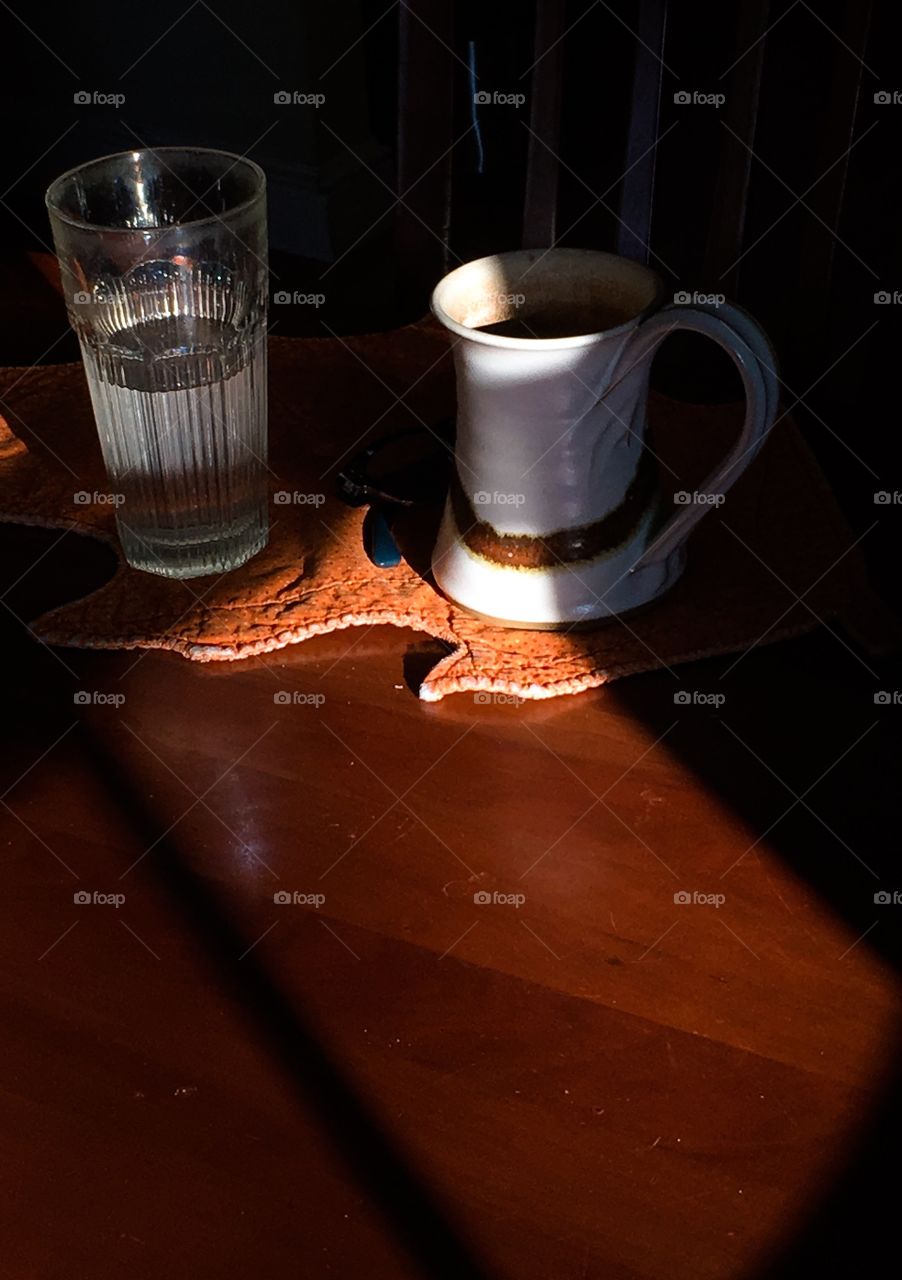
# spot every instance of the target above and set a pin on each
(547, 344)
(55, 189)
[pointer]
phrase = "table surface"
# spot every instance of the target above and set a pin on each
(583, 1076)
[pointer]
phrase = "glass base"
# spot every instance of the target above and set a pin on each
(192, 559)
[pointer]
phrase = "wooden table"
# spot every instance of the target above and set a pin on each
(388, 1077)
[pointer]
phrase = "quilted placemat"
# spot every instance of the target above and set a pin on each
(776, 559)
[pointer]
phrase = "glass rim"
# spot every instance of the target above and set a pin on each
(51, 196)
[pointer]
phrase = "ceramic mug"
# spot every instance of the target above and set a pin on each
(553, 516)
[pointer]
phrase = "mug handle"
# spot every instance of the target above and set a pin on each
(746, 343)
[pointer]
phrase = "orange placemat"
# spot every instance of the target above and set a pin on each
(777, 537)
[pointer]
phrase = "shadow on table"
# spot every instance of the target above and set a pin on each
(39, 705)
(316, 1078)
(807, 711)
(799, 713)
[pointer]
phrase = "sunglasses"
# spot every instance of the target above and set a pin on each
(406, 469)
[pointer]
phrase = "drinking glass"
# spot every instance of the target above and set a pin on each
(163, 256)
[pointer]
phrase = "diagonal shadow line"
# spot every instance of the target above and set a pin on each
(782, 719)
(318, 1081)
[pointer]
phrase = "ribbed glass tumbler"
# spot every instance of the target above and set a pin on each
(163, 256)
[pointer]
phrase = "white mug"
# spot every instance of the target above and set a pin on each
(554, 514)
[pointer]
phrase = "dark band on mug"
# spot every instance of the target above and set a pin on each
(564, 546)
